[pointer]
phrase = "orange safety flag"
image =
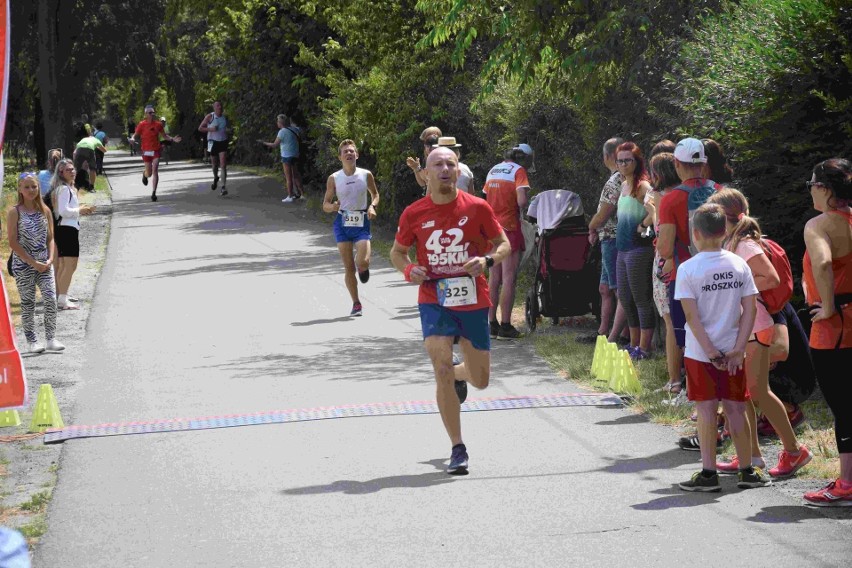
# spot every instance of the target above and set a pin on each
(13, 381)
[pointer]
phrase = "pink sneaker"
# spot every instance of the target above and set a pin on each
(729, 467)
(789, 464)
(732, 467)
(830, 496)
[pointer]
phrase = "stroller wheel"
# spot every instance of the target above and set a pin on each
(531, 310)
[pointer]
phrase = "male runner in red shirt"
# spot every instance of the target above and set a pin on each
(152, 134)
(451, 231)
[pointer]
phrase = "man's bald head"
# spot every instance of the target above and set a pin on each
(442, 171)
(441, 153)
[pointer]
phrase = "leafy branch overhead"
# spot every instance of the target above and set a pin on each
(574, 48)
(769, 79)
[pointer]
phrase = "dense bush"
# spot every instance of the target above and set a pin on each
(770, 79)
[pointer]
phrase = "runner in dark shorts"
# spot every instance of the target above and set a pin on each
(215, 125)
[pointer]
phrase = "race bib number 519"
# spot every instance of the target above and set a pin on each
(353, 218)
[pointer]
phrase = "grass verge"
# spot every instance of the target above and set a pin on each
(573, 361)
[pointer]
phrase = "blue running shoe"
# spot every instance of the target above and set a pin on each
(458, 460)
(639, 354)
(356, 309)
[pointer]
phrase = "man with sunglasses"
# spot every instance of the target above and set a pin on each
(152, 135)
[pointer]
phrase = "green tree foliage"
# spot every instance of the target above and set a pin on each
(71, 49)
(769, 79)
(383, 90)
(243, 52)
(573, 48)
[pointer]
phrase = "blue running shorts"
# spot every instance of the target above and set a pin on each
(351, 234)
(472, 324)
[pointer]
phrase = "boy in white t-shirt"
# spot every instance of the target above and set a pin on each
(718, 294)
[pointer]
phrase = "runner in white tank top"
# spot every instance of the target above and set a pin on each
(351, 189)
(346, 194)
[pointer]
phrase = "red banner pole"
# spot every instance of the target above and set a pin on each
(13, 382)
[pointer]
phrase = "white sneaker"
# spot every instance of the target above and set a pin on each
(55, 345)
(35, 347)
(287, 200)
(67, 305)
(679, 400)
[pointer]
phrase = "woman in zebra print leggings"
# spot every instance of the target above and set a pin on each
(30, 231)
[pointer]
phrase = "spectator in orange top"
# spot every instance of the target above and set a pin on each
(827, 281)
(506, 188)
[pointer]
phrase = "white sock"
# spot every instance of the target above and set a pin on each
(758, 462)
(62, 299)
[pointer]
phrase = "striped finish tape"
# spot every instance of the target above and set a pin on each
(325, 413)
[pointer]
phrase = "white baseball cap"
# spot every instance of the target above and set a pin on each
(690, 151)
(525, 148)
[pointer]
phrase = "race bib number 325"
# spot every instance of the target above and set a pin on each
(460, 291)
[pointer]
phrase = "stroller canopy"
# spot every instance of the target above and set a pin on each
(549, 208)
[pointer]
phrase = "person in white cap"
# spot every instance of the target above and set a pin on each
(505, 189)
(465, 180)
(676, 207)
(151, 133)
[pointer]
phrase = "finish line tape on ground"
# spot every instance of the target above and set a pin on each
(325, 413)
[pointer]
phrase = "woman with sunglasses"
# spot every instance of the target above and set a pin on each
(66, 211)
(30, 233)
(633, 265)
(429, 138)
(827, 282)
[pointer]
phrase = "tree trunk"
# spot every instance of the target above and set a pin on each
(48, 16)
(56, 23)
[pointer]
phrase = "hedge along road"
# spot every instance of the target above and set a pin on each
(213, 306)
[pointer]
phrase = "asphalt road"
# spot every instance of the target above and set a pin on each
(213, 306)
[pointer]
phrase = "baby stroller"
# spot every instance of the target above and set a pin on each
(567, 270)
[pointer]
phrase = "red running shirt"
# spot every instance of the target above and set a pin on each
(446, 237)
(501, 191)
(149, 133)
